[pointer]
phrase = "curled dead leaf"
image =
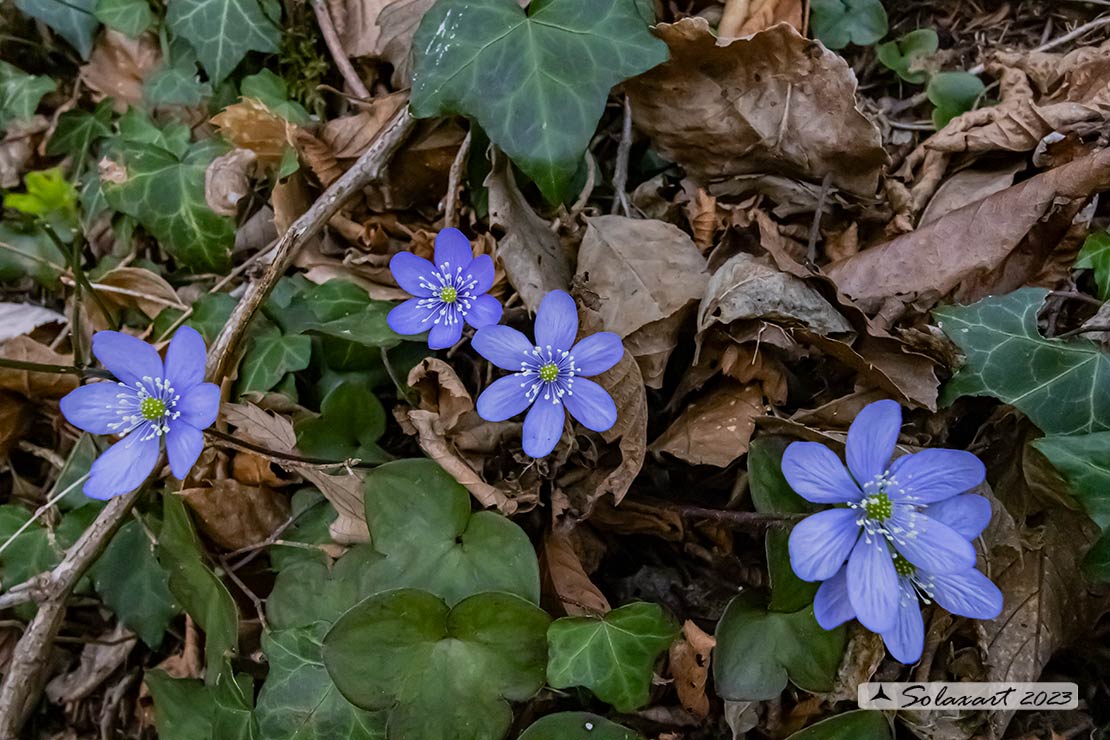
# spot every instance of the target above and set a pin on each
(249, 124)
(571, 585)
(234, 515)
(135, 288)
(773, 102)
(690, 658)
(118, 67)
(227, 180)
(716, 428)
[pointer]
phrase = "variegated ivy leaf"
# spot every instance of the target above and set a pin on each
(73, 20)
(20, 93)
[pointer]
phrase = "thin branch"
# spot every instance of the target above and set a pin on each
(756, 520)
(451, 203)
(815, 225)
(620, 168)
(288, 458)
(40, 511)
(338, 54)
(74, 252)
(368, 168)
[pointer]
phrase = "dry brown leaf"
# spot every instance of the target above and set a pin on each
(398, 22)
(344, 491)
(690, 658)
(255, 470)
(746, 287)
(136, 288)
(348, 137)
(774, 102)
(15, 415)
(17, 148)
(228, 179)
(716, 428)
(633, 517)
(119, 65)
(745, 17)
(968, 186)
(35, 386)
(249, 124)
(99, 660)
(530, 252)
(234, 515)
(568, 581)
(357, 22)
(644, 273)
(991, 246)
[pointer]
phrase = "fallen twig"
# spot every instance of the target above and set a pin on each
(620, 168)
(451, 202)
(335, 48)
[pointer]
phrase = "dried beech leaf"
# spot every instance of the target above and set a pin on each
(136, 288)
(234, 515)
(1014, 232)
(690, 667)
(118, 67)
(227, 180)
(775, 102)
(35, 386)
(249, 124)
(530, 252)
(577, 594)
(716, 428)
(360, 33)
(398, 22)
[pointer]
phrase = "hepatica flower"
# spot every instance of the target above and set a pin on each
(447, 293)
(550, 375)
(881, 514)
(966, 594)
(153, 400)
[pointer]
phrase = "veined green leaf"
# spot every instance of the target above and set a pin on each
(841, 22)
(129, 17)
(1095, 255)
(20, 93)
(223, 31)
(577, 726)
(270, 356)
(134, 585)
(78, 129)
(183, 707)
(73, 20)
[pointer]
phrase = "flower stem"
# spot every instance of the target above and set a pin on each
(39, 367)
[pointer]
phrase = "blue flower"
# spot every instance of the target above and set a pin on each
(550, 373)
(151, 401)
(451, 290)
(882, 512)
(967, 594)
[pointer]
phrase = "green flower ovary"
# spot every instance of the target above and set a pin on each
(902, 566)
(448, 294)
(152, 409)
(878, 507)
(549, 372)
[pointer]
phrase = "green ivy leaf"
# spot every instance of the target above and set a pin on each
(197, 588)
(350, 423)
(271, 90)
(176, 82)
(77, 130)
(1062, 386)
(20, 93)
(29, 252)
(367, 327)
(270, 356)
(164, 192)
(133, 584)
(841, 22)
(223, 31)
(536, 83)
(299, 701)
(771, 493)
(612, 656)
(308, 591)
(901, 54)
(1084, 461)
(183, 708)
(577, 726)
(135, 127)
(1095, 255)
(441, 673)
(129, 17)
(858, 725)
(758, 650)
(233, 716)
(953, 93)
(73, 20)
(420, 519)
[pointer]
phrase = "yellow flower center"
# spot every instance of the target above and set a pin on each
(152, 409)
(448, 294)
(549, 372)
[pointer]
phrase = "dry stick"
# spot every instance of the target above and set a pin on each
(451, 203)
(366, 169)
(755, 520)
(335, 47)
(25, 676)
(815, 225)
(620, 168)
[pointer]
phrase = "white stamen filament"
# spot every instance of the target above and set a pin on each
(440, 310)
(129, 409)
(541, 361)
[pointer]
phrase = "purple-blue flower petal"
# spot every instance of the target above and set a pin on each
(816, 474)
(453, 247)
(819, 543)
(410, 271)
(906, 639)
(92, 407)
(967, 594)
(484, 311)
(597, 353)
(444, 335)
(871, 439)
(873, 584)
(557, 321)
(969, 513)
(591, 405)
(410, 317)
(481, 269)
(184, 365)
(933, 475)
(934, 547)
(503, 399)
(183, 446)
(831, 605)
(543, 426)
(504, 346)
(199, 407)
(123, 467)
(126, 357)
